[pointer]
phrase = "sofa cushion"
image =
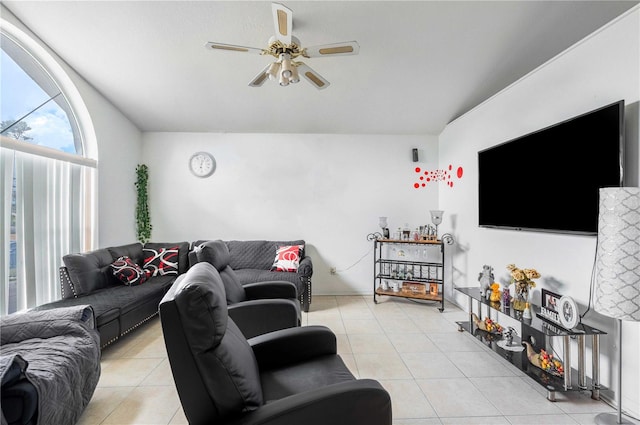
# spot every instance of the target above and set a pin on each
(89, 271)
(108, 314)
(128, 272)
(130, 297)
(104, 312)
(287, 258)
(257, 254)
(183, 252)
(133, 251)
(161, 261)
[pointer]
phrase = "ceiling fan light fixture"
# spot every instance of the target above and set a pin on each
(285, 58)
(295, 77)
(273, 71)
(284, 81)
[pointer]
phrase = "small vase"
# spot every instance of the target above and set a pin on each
(521, 298)
(506, 298)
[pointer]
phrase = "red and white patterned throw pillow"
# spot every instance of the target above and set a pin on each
(128, 272)
(161, 262)
(287, 258)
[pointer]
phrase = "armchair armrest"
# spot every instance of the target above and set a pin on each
(292, 345)
(45, 323)
(192, 256)
(256, 317)
(67, 288)
(357, 402)
(305, 267)
(270, 289)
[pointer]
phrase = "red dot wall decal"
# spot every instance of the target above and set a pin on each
(438, 175)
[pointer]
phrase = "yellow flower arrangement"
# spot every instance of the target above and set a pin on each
(523, 282)
(523, 277)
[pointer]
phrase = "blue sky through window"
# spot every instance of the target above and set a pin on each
(20, 94)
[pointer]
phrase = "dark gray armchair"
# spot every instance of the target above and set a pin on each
(288, 377)
(253, 261)
(255, 307)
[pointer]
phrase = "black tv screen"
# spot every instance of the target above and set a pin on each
(549, 180)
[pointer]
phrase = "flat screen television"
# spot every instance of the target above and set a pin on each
(549, 180)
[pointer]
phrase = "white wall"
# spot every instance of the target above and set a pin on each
(119, 151)
(603, 68)
(326, 189)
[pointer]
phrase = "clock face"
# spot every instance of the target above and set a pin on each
(202, 164)
(568, 312)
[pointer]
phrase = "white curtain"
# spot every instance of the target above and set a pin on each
(6, 174)
(53, 218)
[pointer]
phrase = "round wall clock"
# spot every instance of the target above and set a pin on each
(568, 312)
(202, 164)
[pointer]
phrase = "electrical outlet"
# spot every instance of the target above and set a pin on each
(332, 270)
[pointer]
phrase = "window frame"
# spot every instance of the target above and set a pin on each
(87, 156)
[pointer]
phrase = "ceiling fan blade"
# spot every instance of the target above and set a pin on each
(336, 49)
(232, 48)
(259, 79)
(283, 22)
(312, 76)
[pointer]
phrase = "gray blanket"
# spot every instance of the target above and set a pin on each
(61, 348)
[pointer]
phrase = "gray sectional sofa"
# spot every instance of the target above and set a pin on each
(88, 279)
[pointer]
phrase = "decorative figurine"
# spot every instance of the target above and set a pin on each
(487, 324)
(495, 294)
(508, 336)
(544, 360)
(486, 278)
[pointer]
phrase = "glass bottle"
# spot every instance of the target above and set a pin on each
(406, 232)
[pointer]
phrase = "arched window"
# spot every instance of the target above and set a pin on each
(47, 180)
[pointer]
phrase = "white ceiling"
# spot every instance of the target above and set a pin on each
(421, 63)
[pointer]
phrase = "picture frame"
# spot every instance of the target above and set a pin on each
(550, 300)
(549, 306)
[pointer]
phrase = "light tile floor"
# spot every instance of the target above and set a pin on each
(435, 374)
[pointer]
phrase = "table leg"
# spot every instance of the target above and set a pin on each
(595, 367)
(567, 361)
(582, 378)
(470, 313)
(551, 395)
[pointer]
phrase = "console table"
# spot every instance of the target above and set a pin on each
(411, 270)
(538, 331)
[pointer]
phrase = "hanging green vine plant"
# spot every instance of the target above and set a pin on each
(143, 220)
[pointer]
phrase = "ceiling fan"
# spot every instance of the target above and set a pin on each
(287, 49)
